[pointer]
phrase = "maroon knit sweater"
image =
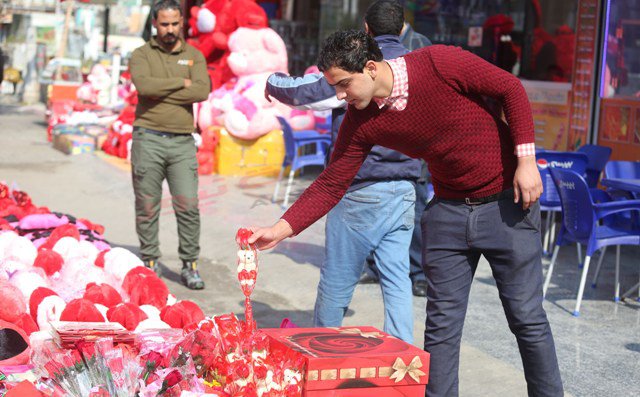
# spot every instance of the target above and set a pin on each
(470, 151)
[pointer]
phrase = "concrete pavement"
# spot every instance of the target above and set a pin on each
(599, 352)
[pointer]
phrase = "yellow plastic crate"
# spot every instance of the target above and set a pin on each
(238, 157)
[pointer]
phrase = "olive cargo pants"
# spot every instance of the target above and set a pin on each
(156, 156)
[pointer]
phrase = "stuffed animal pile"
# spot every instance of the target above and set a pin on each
(56, 267)
(211, 25)
(118, 142)
(97, 88)
(240, 105)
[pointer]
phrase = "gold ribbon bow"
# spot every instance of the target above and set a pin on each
(413, 369)
(356, 331)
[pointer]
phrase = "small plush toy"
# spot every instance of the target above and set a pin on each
(37, 296)
(145, 288)
(81, 310)
(13, 302)
(103, 294)
(127, 314)
(66, 230)
(27, 280)
(181, 314)
(14, 345)
(27, 324)
(49, 309)
(17, 248)
(48, 260)
(119, 261)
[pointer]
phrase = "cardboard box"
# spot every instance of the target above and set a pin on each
(97, 132)
(74, 144)
(354, 361)
(262, 156)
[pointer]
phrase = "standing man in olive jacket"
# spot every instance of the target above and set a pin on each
(170, 75)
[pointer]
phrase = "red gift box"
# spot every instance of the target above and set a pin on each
(354, 361)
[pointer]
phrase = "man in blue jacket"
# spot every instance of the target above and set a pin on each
(376, 216)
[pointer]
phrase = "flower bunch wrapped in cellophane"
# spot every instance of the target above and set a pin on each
(235, 361)
(89, 369)
(63, 370)
(118, 366)
(166, 370)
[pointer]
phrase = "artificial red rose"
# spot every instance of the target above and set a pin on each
(173, 378)
(155, 358)
(260, 371)
(242, 370)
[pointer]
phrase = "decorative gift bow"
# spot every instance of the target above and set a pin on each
(413, 369)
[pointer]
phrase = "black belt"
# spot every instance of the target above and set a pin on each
(162, 133)
(505, 194)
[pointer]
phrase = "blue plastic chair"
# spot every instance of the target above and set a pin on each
(598, 158)
(581, 224)
(623, 170)
(550, 201)
(295, 143)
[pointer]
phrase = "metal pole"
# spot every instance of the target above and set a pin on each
(106, 28)
(62, 49)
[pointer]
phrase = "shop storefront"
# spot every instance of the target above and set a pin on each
(583, 88)
(618, 91)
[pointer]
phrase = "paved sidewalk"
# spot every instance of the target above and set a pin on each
(599, 352)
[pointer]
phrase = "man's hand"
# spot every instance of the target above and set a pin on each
(269, 237)
(187, 83)
(527, 184)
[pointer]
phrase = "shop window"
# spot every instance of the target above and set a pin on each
(622, 51)
(615, 123)
(534, 39)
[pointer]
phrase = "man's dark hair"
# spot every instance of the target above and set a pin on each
(384, 17)
(348, 50)
(161, 5)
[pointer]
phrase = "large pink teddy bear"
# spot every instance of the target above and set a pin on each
(243, 109)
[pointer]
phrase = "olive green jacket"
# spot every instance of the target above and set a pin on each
(164, 103)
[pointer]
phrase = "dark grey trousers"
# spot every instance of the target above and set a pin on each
(455, 235)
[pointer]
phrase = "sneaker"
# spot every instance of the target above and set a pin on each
(154, 265)
(190, 276)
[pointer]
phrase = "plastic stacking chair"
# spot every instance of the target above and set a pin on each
(598, 158)
(623, 170)
(295, 143)
(581, 224)
(550, 201)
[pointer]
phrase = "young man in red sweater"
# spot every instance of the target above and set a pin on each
(429, 104)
